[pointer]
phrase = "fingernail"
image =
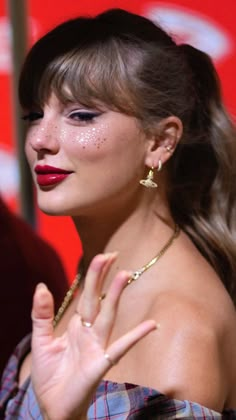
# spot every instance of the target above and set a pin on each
(41, 286)
(111, 255)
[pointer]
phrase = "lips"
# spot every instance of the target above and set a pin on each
(49, 175)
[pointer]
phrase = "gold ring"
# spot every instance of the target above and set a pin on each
(86, 324)
(101, 297)
(109, 359)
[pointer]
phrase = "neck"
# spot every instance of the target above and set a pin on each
(127, 232)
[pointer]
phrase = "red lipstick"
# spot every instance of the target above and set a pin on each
(47, 175)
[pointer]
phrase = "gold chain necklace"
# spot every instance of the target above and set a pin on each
(67, 299)
(135, 276)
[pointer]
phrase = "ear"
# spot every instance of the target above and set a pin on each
(163, 142)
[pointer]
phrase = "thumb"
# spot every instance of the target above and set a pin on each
(42, 315)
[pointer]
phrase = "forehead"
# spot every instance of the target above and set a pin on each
(94, 73)
(58, 102)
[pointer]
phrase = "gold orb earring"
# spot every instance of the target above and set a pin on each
(148, 182)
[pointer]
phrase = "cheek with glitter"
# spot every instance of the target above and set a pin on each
(89, 137)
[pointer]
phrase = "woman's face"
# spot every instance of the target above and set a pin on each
(83, 159)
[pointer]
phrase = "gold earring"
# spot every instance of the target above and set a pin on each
(159, 168)
(148, 182)
(169, 149)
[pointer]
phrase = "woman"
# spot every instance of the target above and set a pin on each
(128, 135)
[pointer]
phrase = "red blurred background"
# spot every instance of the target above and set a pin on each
(208, 25)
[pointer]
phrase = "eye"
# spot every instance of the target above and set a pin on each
(84, 116)
(32, 116)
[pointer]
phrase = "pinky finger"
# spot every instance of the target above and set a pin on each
(121, 346)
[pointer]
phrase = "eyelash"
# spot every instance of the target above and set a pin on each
(84, 116)
(78, 116)
(32, 116)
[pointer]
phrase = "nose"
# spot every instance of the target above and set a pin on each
(43, 137)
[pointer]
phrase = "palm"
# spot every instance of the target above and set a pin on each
(66, 370)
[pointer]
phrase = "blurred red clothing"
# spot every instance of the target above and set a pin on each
(25, 260)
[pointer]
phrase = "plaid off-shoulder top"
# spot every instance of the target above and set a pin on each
(111, 401)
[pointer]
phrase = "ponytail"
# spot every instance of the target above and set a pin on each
(203, 172)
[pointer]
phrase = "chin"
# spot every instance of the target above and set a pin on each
(52, 205)
(53, 209)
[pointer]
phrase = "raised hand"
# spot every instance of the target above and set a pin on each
(66, 370)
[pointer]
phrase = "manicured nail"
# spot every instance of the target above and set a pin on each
(112, 255)
(41, 286)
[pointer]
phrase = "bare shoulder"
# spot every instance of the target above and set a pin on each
(196, 341)
(193, 284)
(195, 351)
